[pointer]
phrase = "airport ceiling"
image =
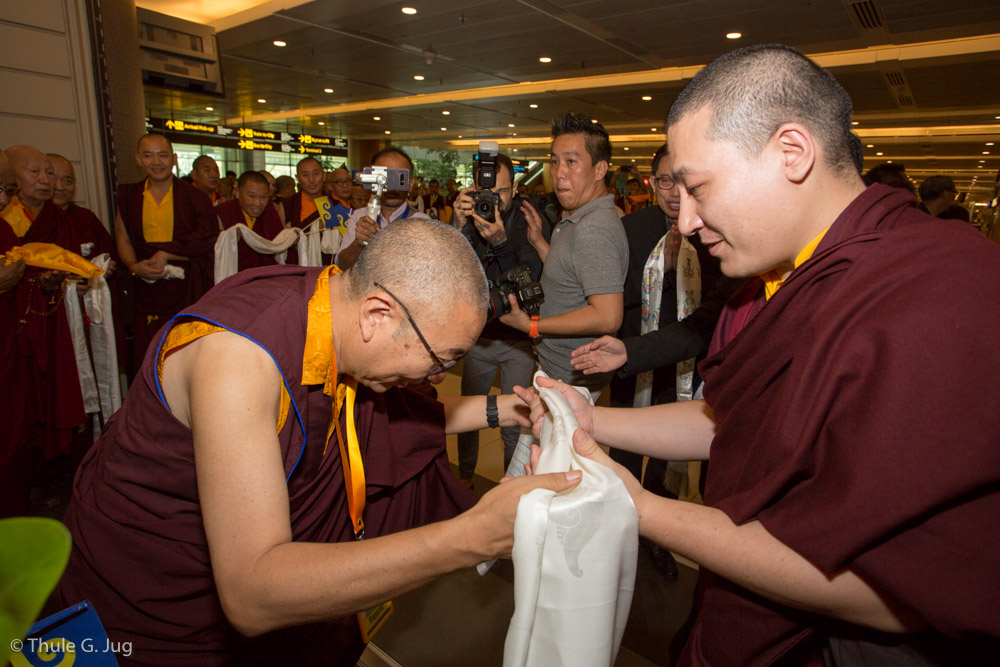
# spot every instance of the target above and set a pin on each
(924, 75)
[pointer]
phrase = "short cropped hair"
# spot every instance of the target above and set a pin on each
(428, 264)
(248, 177)
(933, 186)
(393, 149)
(153, 134)
(307, 159)
(892, 174)
(753, 91)
(595, 136)
(660, 153)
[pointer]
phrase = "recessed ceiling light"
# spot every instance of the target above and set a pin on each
(261, 100)
(510, 124)
(879, 153)
(278, 42)
(418, 77)
(545, 59)
(652, 129)
(321, 123)
(209, 108)
(446, 113)
(388, 132)
(409, 10)
(460, 136)
(986, 152)
(376, 117)
(989, 143)
(328, 90)
(626, 148)
(854, 122)
(533, 106)
(870, 146)
(889, 161)
(513, 134)
(515, 150)
(982, 160)
(646, 98)
(633, 160)
(593, 120)
(733, 35)
(444, 129)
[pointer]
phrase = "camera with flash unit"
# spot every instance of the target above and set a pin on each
(484, 200)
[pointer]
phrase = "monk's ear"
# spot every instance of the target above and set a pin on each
(375, 314)
(796, 147)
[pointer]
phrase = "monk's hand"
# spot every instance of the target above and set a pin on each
(489, 529)
(512, 410)
(536, 407)
(365, 230)
(582, 408)
(586, 446)
(11, 274)
(603, 355)
(148, 270)
(51, 280)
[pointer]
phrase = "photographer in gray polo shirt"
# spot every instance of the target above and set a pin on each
(584, 273)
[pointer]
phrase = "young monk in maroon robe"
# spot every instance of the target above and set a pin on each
(253, 208)
(300, 209)
(15, 469)
(163, 220)
(273, 423)
(54, 402)
(852, 507)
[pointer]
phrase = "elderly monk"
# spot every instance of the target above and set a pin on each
(280, 419)
(205, 176)
(163, 220)
(54, 402)
(14, 459)
(852, 506)
(253, 208)
(90, 231)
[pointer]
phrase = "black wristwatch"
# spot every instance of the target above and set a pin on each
(492, 414)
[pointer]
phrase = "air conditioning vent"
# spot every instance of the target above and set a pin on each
(895, 78)
(867, 15)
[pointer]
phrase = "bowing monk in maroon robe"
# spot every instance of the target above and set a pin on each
(852, 506)
(235, 542)
(54, 402)
(163, 220)
(253, 208)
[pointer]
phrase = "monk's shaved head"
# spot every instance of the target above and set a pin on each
(753, 91)
(33, 173)
(410, 257)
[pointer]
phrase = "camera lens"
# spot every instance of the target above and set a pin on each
(484, 209)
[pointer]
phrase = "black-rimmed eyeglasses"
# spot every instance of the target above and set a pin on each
(442, 366)
(665, 182)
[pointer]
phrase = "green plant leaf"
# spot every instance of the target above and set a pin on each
(33, 554)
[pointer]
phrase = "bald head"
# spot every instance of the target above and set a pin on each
(410, 256)
(32, 173)
(753, 91)
(205, 172)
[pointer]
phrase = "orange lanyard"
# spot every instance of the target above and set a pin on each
(350, 456)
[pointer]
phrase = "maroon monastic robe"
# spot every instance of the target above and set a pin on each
(268, 225)
(54, 403)
(15, 468)
(195, 230)
(859, 424)
(293, 217)
(139, 548)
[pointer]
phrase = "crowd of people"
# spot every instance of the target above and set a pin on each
(819, 341)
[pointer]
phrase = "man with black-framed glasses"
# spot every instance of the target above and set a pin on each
(280, 420)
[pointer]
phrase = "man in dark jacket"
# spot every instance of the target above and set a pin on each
(501, 244)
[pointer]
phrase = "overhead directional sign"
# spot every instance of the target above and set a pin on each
(252, 139)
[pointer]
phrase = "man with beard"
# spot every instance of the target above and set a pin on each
(360, 227)
(501, 244)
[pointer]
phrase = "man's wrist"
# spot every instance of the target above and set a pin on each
(492, 412)
(533, 326)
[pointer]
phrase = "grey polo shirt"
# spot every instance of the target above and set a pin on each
(588, 255)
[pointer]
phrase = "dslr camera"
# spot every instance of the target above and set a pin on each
(484, 200)
(516, 281)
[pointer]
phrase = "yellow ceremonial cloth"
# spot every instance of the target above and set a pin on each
(18, 216)
(773, 281)
(250, 221)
